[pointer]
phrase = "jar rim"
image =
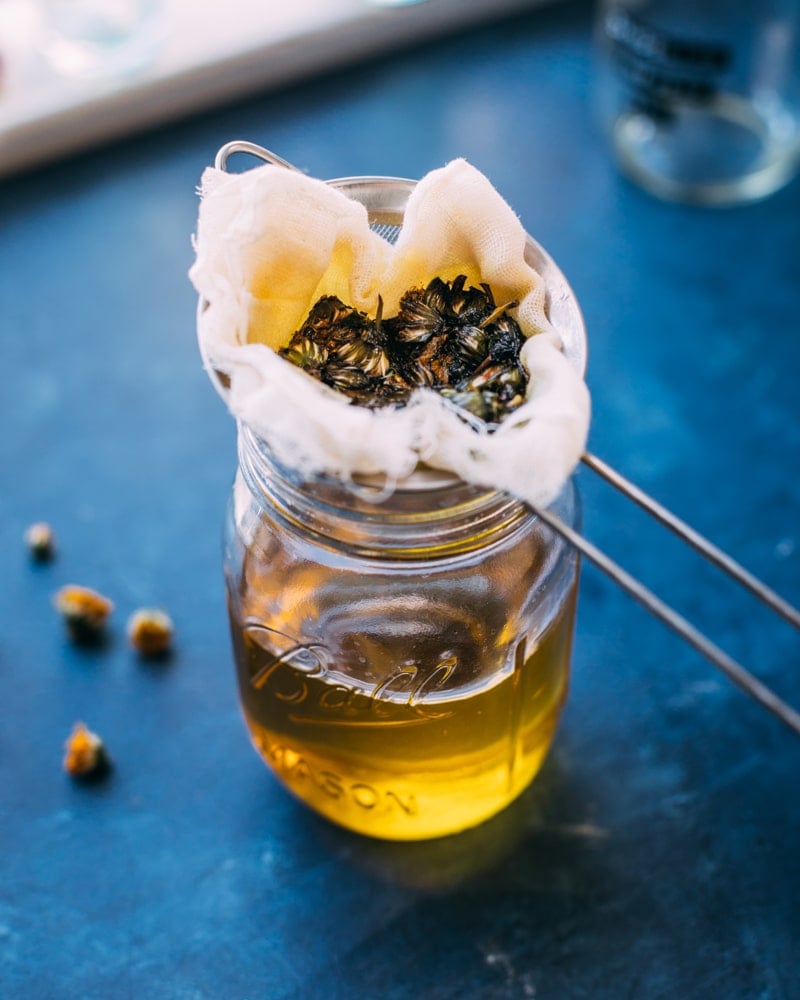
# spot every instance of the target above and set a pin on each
(452, 517)
(372, 489)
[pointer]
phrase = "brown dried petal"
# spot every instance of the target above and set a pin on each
(343, 377)
(41, 541)
(150, 631)
(85, 753)
(85, 611)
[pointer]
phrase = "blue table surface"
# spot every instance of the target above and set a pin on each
(657, 854)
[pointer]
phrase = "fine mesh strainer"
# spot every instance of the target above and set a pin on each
(385, 199)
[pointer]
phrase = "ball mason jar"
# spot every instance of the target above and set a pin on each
(402, 656)
(402, 660)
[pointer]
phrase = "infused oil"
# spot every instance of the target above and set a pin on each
(403, 751)
(402, 661)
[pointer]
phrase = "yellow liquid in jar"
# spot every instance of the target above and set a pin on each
(404, 752)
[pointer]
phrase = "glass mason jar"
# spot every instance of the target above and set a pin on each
(402, 657)
(701, 101)
(402, 660)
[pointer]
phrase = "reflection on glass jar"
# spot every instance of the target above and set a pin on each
(403, 659)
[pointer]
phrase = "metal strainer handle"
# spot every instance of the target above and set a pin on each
(243, 146)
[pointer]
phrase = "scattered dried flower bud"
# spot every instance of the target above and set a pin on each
(150, 631)
(84, 611)
(41, 541)
(86, 754)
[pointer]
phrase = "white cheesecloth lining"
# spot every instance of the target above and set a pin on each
(270, 242)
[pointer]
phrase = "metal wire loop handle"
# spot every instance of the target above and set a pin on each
(242, 146)
(740, 676)
(702, 545)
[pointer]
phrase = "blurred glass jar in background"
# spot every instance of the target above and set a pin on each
(101, 38)
(701, 101)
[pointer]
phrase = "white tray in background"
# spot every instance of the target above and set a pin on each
(212, 51)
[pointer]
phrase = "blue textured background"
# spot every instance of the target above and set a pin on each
(657, 854)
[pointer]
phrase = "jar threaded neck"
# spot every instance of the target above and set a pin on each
(424, 516)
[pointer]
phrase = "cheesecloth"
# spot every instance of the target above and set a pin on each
(271, 241)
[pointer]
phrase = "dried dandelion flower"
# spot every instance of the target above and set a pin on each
(84, 611)
(41, 541)
(85, 753)
(448, 337)
(150, 631)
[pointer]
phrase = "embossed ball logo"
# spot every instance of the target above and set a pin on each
(310, 660)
